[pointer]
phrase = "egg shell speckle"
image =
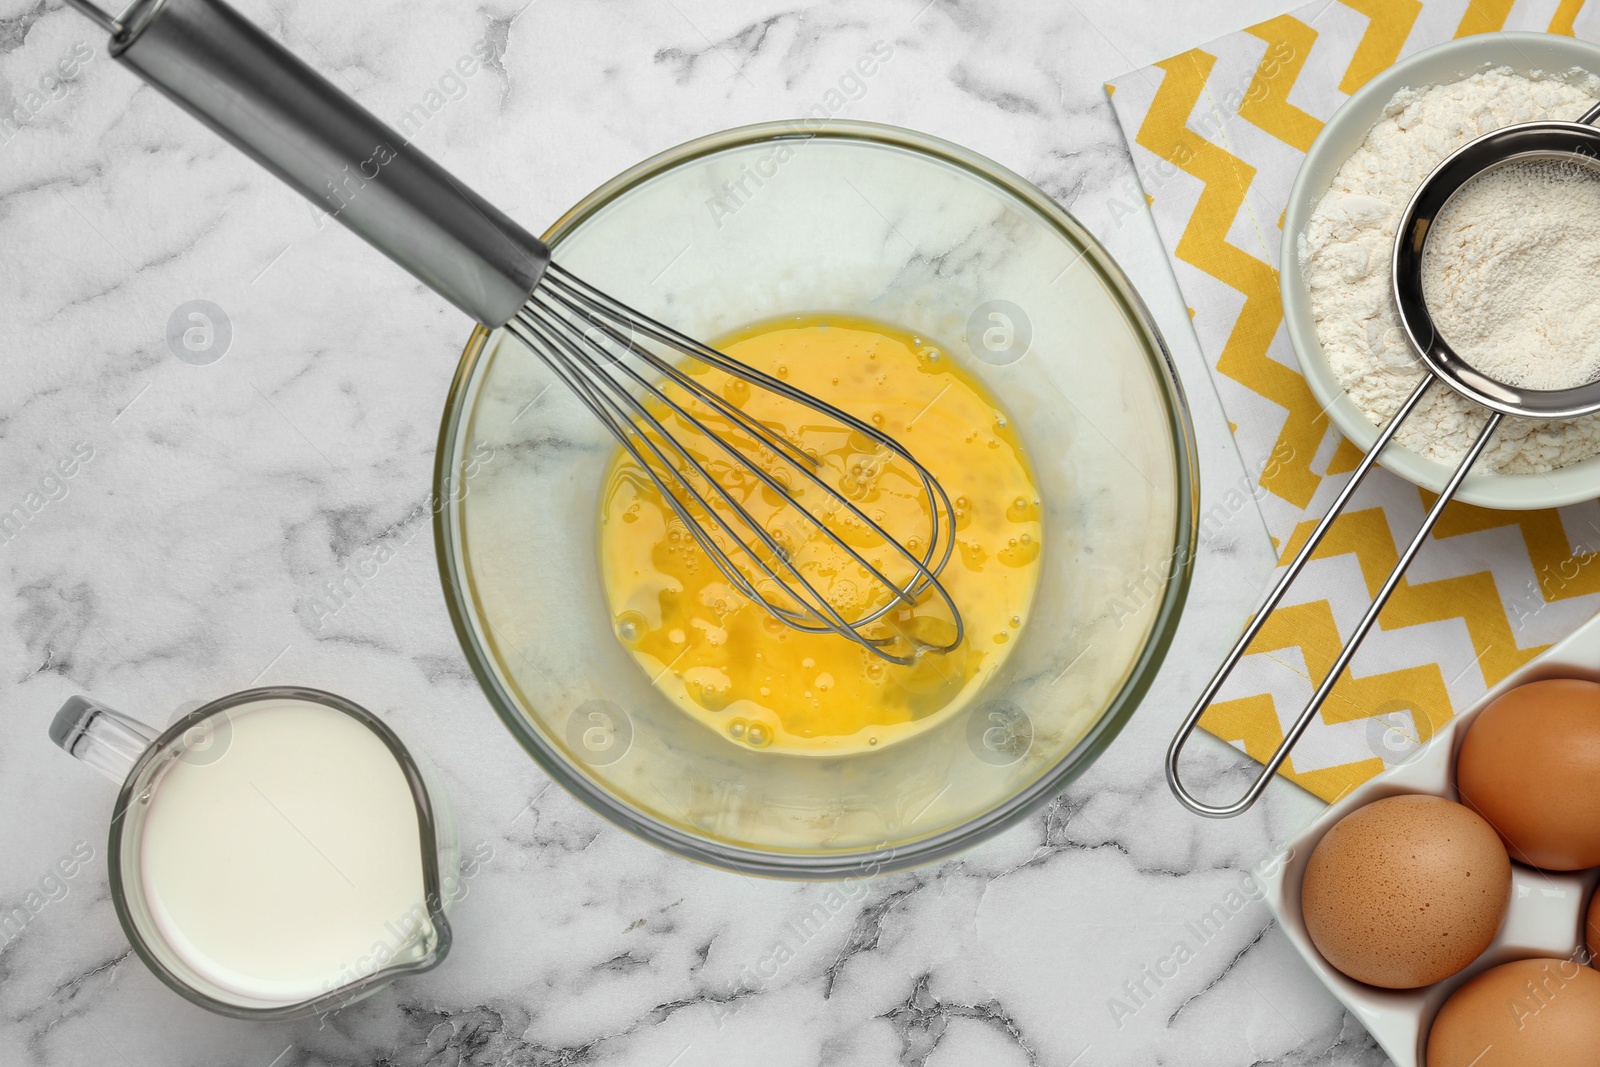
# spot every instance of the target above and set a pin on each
(1528, 1013)
(1406, 891)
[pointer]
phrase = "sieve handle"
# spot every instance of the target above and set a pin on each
(225, 72)
(1292, 735)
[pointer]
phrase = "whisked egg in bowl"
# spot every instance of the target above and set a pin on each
(926, 258)
(738, 668)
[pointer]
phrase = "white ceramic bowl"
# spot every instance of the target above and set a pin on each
(1546, 917)
(1338, 140)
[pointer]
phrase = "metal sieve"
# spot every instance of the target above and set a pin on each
(1572, 142)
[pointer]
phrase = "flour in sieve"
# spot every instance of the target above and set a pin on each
(1509, 273)
(1345, 255)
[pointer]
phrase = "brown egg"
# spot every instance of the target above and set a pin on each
(1406, 891)
(1530, 1013)
(1530, 764)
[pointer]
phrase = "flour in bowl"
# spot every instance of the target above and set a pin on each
(1346, 253)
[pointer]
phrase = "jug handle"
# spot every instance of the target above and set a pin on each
(106, 740)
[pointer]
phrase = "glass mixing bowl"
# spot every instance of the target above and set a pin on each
(871, 221)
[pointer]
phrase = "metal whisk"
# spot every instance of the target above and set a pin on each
(618, 361)
(624, 366)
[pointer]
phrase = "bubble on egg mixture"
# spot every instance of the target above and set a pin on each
(630, 626)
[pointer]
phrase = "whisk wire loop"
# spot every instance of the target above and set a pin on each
(627, 429)
(756, 428)
(605, 353)
(638, 323)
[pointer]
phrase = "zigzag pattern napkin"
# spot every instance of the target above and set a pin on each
(1217, 135)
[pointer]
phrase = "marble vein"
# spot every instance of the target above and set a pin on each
(193, 555)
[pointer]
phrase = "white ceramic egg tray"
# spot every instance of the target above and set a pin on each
(1547, 911)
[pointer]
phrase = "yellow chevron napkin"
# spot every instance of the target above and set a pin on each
(1217, 135)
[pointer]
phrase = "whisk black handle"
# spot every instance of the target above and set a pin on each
(227, 73)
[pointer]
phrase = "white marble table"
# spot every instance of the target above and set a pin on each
(192, 553)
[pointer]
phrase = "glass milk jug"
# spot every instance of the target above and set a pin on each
(274, 853)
